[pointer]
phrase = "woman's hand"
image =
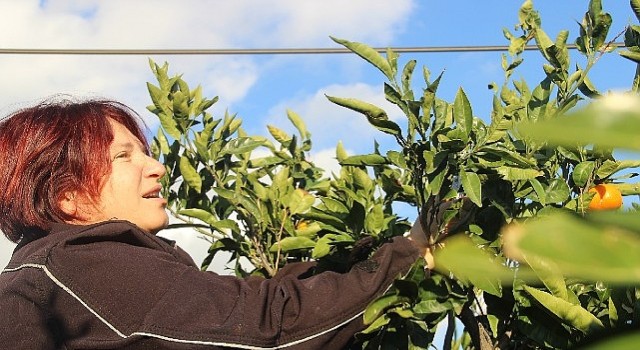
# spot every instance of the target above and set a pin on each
(432, 225)
(420, 240)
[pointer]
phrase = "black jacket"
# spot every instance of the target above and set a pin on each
(113, 286)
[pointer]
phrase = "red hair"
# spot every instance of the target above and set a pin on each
(51, 149)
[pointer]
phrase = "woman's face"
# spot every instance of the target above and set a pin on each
(132, 190)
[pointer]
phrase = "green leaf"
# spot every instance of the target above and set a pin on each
(613, 313)
(595, 8)
(433, 160)
(377, 324)
(610, 167)
(540, 192)
(515, 174)
(472, 186)
(436, 179)
(407, 73)
(558, 54)
(370, 55)
(635, 6)
(324, 217)
(298, 123)
(367, 159)
(587, 249)
(243, 201)
(630, 340)
(281, 183)
(162, 142)
(180, 104)
(631, 55)
(431, 306)
(341, 153)
(612, 121)
(462, 112)
(625, 220)
(309, 230)
(334, 205)
(601, 29)
(324, 244)
(539, 100)
(558, 191)
(573, 315)
(210, 219)
(375, 115)
(265, 162)
(472, 264)
(361, 179)
(588, 89)
(190, 174)
(550, 275)
(160, 99)
(322, 248)
(430, 95)
(582, 173)
(571, 153)
(199, 214)
(396, 158)
(525, 11)
(169, 125)
(300, 201)
(241, 145)
(511, 157)
(544, 43)
(378, 306)
(288, 244)
(279, 135)
(225, 224)
(374, 221)
(629, 189)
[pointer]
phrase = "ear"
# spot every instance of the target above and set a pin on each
(69, 204)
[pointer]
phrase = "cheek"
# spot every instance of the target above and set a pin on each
(114, 192)
(123, 180)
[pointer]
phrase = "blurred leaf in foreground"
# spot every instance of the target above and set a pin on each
(612, 121)
(596, 248)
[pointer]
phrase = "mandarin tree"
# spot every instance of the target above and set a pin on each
(516, 276)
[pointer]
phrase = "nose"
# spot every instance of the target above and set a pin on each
(154, 168)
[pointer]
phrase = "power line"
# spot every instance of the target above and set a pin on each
(272, 51)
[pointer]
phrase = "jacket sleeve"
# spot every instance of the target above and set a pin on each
(149, 292)
(23, 323)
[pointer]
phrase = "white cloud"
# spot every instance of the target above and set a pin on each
(29, 79)
(326, 159)
(170, 24)
(196, 23)
(302, 23)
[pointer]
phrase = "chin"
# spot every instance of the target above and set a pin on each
(162, 225)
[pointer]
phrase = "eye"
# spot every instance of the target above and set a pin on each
(121, 155)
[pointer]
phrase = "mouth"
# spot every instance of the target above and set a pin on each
(153, 194)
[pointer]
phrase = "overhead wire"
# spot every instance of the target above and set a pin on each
(267, 51)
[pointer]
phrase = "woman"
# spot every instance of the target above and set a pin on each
(80, 196)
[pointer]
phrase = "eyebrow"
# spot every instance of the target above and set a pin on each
(128, 145)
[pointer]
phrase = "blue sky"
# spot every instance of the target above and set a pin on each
(260, 88)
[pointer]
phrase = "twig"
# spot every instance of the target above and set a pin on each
(451, 325)
(479, 335)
